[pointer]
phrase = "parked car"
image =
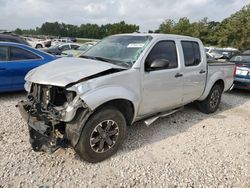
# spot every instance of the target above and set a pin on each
(15, 61)
(58, 49)
(60, 41)
(242, 79)
(13, 38)
(73, 39)
(222, 53)
(209, 57)
(38, 43)
(246, 52)
(90, 101)
(77, 52)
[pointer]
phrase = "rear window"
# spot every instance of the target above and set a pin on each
(241, 58)
(21, 54)
(191, 51)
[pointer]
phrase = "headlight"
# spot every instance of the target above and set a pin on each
(27, 86)
(81, 88)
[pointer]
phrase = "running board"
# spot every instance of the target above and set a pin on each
(152, 119)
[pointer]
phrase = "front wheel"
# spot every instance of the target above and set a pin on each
(211, 103)
(102, 135)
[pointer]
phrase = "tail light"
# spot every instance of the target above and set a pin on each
(235, 68)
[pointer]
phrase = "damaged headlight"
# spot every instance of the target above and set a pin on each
(27, 86)
(81, 88)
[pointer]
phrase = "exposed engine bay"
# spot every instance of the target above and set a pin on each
(48, 109)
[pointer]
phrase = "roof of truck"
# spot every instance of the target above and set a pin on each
(157, 35)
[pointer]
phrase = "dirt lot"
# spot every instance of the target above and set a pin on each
(187, 149)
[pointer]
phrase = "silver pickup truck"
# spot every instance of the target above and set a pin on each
(88, 102)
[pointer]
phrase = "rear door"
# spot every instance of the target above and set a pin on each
(195, 71)
(162, 89)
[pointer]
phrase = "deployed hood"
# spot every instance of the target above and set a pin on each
(64, 71)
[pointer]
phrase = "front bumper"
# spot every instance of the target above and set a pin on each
(41, 137)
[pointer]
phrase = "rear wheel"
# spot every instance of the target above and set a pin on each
(102, 135)
(212, 102)
(39, 46)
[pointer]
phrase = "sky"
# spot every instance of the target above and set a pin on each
(148, 14)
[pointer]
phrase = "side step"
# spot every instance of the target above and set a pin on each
(152, 119)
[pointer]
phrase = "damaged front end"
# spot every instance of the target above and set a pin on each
(50, 112)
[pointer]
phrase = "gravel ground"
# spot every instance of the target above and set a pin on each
(187, 149)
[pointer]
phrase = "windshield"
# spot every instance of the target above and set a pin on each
(120, 50)
(54, 47)
(241, 58)
(84, 47)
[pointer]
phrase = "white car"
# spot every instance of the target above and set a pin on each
(221, 53)
(60, 41)
(38, 43)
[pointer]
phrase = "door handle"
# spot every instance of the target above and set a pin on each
(178, 75)
(202, 71)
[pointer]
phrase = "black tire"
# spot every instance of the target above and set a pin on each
(212, 102)
(39, 46)
(93, 153)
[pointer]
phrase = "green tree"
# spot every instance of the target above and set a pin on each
(167, 26)
(18, 31)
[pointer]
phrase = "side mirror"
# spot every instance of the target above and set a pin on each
(157, 64)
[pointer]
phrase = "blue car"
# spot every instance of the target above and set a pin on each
(242, 71)
(16, 60)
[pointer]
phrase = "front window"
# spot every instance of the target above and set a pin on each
(64, 47)
(121, 50)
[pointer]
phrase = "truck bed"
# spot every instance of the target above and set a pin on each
(224, 69)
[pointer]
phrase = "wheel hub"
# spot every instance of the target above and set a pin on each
(214, 98)
(104, 136)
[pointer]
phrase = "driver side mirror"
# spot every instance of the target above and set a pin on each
(157, 64)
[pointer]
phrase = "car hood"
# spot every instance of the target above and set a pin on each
(64, 71)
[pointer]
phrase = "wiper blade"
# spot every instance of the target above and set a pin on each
(86, 57)
(114, 62)
(95, 58)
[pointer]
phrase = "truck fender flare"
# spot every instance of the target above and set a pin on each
(99, 96)
(210, 83)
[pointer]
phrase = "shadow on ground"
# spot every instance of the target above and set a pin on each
(140, 135)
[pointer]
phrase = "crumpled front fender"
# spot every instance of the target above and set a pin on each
(99, 96)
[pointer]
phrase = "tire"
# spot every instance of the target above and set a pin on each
(212, 102)
(93, 135)
(39, 46)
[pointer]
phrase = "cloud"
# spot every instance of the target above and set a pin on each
(147, 14)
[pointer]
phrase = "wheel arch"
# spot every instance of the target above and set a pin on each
(125, 106)
(215, 79)
(121, 98)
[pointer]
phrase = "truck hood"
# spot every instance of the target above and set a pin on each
(64, 71)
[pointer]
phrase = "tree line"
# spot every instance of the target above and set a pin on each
(88, 30)
(233, 31)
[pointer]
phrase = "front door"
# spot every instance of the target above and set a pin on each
(161, 88)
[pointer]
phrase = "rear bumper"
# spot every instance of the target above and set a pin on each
(242, 83)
